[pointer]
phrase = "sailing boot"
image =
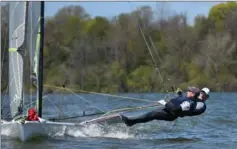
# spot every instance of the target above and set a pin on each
(126, 120)
(140, 119)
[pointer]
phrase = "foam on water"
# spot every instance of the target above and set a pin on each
(95, 130)
(57, 131)
(8, 130)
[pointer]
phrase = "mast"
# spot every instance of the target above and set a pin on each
(40, 68)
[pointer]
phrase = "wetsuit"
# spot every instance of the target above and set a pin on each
(199, 109)
(200, 106)
(177, 107)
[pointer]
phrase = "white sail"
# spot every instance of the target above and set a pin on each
(24, 55)
(17, 25)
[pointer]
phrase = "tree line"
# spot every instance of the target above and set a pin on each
(138, 51)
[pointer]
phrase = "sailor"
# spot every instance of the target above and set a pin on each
(201, 105)
(177, 107)
(32, 115)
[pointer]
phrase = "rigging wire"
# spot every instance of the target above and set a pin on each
(148, 47)
(154, 49)
(112, 111)
(155, 64)
(84, 100)
(122, 97)
(131, 108)
(103, 94)
(154, 104)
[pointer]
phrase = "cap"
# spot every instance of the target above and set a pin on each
(194, 90)
(206, 90)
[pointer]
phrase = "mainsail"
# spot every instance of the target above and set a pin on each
(24, 55)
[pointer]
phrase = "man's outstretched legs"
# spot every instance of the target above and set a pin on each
(160, 114)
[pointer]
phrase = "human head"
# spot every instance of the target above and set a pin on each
(204, 94)
(193, 92)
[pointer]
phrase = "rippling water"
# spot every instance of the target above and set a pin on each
(215, 129)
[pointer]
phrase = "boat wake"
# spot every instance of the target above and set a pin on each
(119, 131)
(96, 130)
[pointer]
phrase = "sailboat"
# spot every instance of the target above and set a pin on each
(26, 37)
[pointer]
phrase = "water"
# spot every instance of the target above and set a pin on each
(215, 129)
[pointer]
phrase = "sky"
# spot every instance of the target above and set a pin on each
(110, 9)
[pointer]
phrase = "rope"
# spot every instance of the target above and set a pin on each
(44, 97)
(85, 100)
(103, 94)
(109, 112)
(149, 48)
(72, 117)
(153, 59)
(154, 103)
(60, 103)
(152, 43)
(131, 108)
(53, 104)
(101, 111)
(154, 49)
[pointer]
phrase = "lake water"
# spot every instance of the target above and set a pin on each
(215, 129)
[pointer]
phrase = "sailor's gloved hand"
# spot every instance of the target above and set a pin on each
(179, 91)
(163, 102)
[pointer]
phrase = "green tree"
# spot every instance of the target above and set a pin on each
(218, 13)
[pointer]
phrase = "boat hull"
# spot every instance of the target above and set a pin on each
(31, 129)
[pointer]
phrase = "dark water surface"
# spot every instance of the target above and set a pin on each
(215, 129)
